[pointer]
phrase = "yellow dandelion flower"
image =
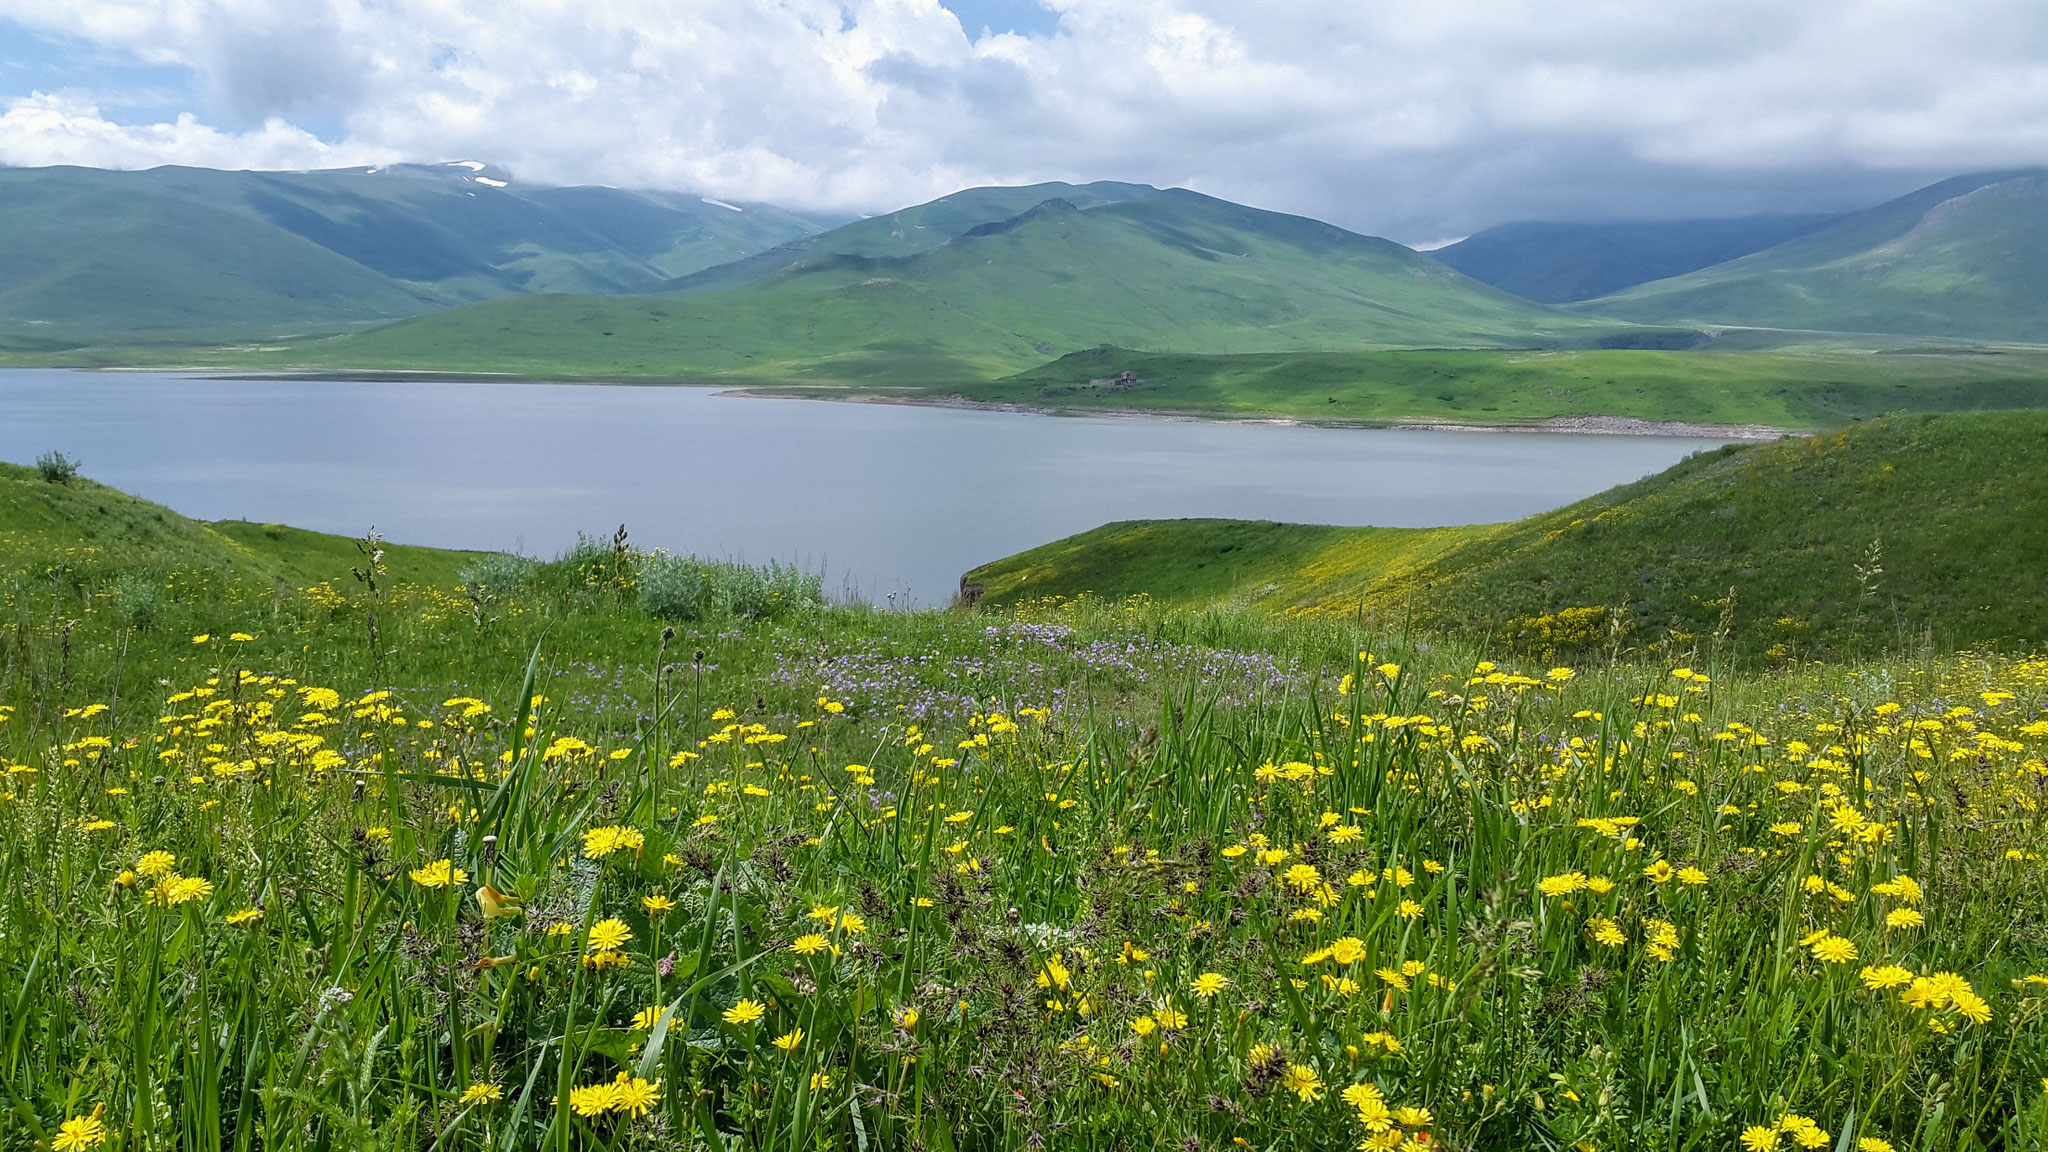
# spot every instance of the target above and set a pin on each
(601, 842)
(438, 875)
(1303, 1081)
(81, 1132)
(608, 935)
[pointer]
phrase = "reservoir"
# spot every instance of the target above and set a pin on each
(891, 502)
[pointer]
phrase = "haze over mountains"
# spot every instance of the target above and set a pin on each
(481, 272)
(1557, 263)
(1964, 258)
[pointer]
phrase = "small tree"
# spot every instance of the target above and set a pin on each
(56, 468)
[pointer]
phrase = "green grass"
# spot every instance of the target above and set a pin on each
(1391, 863)
(1196, 562)
(87, 524)
(1802, 388)
(1862, 539)
(1963, 258)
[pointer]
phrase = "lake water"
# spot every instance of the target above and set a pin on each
(882, 498)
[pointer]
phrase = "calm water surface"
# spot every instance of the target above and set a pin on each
(883, 498)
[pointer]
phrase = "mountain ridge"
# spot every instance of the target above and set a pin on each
(1561, 262)
(1166, 268)
(179, 252)
(1963, 258)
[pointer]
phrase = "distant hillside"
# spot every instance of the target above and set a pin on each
(1557, 263)
(1874, 535)
(88, 254)
(1796, 388)
(1965, 258)
(1171, 269)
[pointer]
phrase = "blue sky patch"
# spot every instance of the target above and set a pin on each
(1024, 17)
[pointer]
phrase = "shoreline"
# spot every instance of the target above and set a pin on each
(1585, 425)
(1555, 425)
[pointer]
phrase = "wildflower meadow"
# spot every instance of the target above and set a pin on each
(529, 865)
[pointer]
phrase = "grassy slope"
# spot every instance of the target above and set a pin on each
(1954, 502)
(83, 521)
(79, 258)
(1198, 561)
(1787, 389)
(1963, 258)
(1561, 262)
(1174, 269)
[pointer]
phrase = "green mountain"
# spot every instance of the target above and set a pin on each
(1884, 532)
(194, 253)
(1558, 263)
(1171, 269)
(908, 231)
(1964, 258)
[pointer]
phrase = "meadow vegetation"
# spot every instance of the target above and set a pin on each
(620, 850)
(1821, 386)
(1896, 533)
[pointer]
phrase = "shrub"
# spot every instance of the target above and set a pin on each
(135, 599)
(770, 593)
(673, 587)
(57, 468)
(683, 588)
(498, 571)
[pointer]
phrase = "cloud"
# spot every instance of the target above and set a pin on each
(1416, 118)
(43, 128)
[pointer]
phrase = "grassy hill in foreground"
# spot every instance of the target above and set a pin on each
(1964, 258)
(1204, 561)
(1173, 269)
(1812, 388)
(1882, 531)
(83, 522)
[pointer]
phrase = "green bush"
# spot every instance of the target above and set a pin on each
(683, 588)
(135, 598)
(499, 572)
(56, 468)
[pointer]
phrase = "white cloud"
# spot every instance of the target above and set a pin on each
(1416, 117)
(43, 128)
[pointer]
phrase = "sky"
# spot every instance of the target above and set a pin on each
(1422, 120)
